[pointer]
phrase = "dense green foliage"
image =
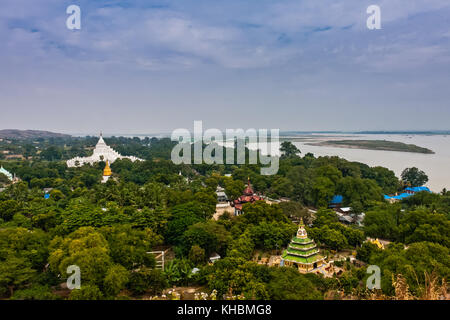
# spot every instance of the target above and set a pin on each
(108, 229)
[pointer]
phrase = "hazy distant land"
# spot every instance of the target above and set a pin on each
(374, 145)
(30, 134)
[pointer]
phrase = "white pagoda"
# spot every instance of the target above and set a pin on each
(102, 152)
(7, 173)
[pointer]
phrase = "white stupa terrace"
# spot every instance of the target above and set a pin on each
(102, 152)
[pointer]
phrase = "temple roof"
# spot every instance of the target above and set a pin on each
(248, 191)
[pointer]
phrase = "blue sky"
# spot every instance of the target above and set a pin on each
(153, 66)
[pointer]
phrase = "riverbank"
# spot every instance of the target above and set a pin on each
(374, 145)
(436, 165)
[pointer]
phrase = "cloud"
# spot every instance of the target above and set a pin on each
(259, 56)
(132, 32)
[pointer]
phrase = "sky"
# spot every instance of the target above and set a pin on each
(148, 66)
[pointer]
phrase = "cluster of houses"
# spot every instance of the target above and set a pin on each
(345, 213)
(408, 192)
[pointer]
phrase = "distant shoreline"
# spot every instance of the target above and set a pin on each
(419, 132)
(383, 145)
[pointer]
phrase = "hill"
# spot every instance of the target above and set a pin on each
(30, 134)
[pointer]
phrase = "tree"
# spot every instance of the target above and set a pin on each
(147, 280)
(289, 284)
(259, 211)
(325, 217)
(329, 237)
(366, 251)
(322, 191)
(183, 216)
(238, 276)
(22, 253)
(281, 187)
(115, 280)
(197, 254)
(86, 292)
(85, 248)
(358, 192)
(128, 247)
(272, 235)
(330, 172)
(51, 153)
(423, 225)
(385, 178)
(35, 292)
(412, 263)
(210, 236)
(414, 177)
(382, 222)
(15, 272)
(241, 247)
(289, 150)
(295, 209)
(4, 179)
(178, 272)
(332, 238)
(8, 208)
(234, 188)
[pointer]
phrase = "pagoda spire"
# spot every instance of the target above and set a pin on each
(301, 222)
(248, 191)
(301, 232)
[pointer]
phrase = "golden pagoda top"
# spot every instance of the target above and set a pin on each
(107, 171)
(301, 233)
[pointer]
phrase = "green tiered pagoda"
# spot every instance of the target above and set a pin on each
(302, 252)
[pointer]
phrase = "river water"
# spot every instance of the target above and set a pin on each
(436, 166)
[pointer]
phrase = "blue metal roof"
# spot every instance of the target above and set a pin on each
(406, 195)
(337, 199)
(417, 189)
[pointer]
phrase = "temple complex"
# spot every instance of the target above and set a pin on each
(248, 197)
(102, 152)
(303, 252)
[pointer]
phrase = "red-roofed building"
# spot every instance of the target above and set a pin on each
(249, 196)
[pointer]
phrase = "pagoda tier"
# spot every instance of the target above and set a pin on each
(303, 252)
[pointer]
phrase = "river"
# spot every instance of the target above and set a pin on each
(436, 166)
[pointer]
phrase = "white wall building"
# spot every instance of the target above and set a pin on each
(6, 173)
(102, 152)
